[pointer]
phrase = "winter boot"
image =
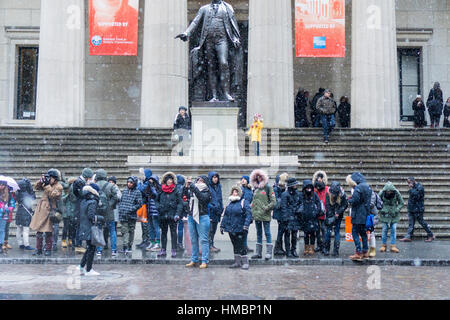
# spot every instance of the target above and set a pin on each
(237, 262)
(69, 243)
(336, 249)
(383, 248)
(312, 251)
(306, 251)
(162, 253)
(358, 256)
(269, 248)
(326, 248)
(394, 249)
(294, 253)
(244, 262)
(372, 252)
(258, 254)
(174, 253)
(365, 255)
(6, 244)
(63, 243)
(278, 251)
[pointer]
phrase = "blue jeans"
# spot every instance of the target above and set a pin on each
(357, 231)
(2, 230)
(259, 227)
(154, 227)
(180, 231)
(199, 232)
(336, 228)
(328, 124)
(384, 232)
(112, 236)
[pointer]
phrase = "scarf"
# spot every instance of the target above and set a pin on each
(168, 189)
(234, 198)
(194, 204)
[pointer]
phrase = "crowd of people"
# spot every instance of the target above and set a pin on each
(436, 108)
(315, 207)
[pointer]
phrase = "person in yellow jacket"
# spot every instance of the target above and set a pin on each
(255, 132)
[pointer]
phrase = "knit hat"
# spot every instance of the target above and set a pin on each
(87, 173)
(246, 178)
(182, 108)
(292, 182)
(112, 178)
(238, 189)
(95, 187)
(100, 174)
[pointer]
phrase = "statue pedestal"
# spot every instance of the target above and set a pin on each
(215, 148)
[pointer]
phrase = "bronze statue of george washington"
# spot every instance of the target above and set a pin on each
(218, 58)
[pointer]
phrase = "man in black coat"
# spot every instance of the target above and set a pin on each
(301, 104)
(416, 208)
(77, 187)
(315, 118)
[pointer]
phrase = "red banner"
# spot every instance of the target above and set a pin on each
(113, 27)
(320, 28)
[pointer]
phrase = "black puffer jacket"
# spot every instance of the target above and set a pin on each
(333, 205)
(170, 204)
(310, 208)
(204, 197)
(25, 197)
(360, 200)
(289, 203)
(416, 203)
(88, 211)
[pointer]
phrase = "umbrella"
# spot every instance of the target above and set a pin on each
(11, 183)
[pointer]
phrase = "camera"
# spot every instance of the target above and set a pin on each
(46, 179)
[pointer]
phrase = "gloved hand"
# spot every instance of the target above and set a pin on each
(245, 230)
(176, 218)
(221, 230)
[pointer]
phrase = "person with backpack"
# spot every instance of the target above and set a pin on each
(215, 207)
(69, 224)
(247, 194)
(435, 104)
(130, 203)
(390, 215)
(108, 199)
(359, 202)
(309, 209)
(25, 198)
(279, 187)
(262, 205)
(335, 205)
(291, 223)
(236, 221)
(170, 208)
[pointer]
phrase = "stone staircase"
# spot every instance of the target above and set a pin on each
(381, 155)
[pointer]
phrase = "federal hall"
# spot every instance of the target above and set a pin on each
(395, 50)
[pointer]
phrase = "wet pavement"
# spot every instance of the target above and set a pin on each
(175, 282)
(415, 253)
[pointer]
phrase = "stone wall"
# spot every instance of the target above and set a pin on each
(18, 13)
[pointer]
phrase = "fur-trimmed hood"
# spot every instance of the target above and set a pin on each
(350, 181)
(283, 179)
(166, 175)
(239, 190)
(254, 181)
(325, 177)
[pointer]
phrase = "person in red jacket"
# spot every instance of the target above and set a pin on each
(320, 181)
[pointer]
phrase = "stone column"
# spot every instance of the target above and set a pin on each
(270, 63)
(60, 87)
(165, 63)
(375, 92)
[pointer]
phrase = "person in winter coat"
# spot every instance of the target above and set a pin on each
(416, 208)
(215, 207)
(390, 214)
(335, 206)
(344, 112)
(360, 208)
(290, 200)
(309, 209)
(181, 181)
(278, 188)
(112, 199)
(130, 203)
(69, 223)
(170, 209)
(247, 194)
(198, 220)
(151, 193)
(262, 205)
(49, 201)
(113, 181)
(371, 222)
(182, 128)
(419, 112)
(435, 103)
(301, 104)
(25, 198)
(315, 118)
(236, 221)
(6, 246)
(7, 205)
(84, 179)
(255, 132)
(320, 182)
(447, 114)
(145, 175)
(89, 217)
(326, 108)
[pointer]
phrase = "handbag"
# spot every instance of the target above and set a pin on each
(97, 238)
(55, 214)
(329, 221)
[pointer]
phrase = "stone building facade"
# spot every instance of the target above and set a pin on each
(395, 49)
